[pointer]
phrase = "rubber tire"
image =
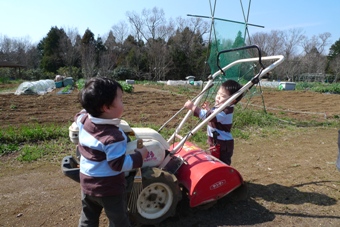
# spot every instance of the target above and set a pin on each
(157, 185)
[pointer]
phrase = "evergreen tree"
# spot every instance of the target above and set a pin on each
(333, 64)
(52, 58)
(188, 54)
(334, 51)
(89, 55)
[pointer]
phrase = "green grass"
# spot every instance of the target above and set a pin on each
(31, 141)
(32, 133)
(126, 87)
(47, 150)
(66, 89)
(333, 88)
(80, 84)
(51, 142)
(11, 90)
(13, 84)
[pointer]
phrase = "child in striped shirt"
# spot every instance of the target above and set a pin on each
(219, 127)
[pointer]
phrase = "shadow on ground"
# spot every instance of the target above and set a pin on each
(228, 212)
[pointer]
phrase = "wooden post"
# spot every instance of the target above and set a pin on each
(338, 160)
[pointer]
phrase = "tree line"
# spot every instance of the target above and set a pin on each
(149, 47)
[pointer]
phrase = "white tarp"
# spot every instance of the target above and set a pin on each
(36, 87)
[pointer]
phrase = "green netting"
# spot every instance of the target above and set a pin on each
(226, 36)
(229, 35)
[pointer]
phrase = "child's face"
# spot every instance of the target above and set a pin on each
(221, 96)
(115, 110)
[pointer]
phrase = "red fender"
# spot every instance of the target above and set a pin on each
(205, 177)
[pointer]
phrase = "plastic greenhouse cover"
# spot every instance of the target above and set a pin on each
(36, 87)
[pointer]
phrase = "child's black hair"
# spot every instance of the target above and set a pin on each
(97, 92)
(231, 86)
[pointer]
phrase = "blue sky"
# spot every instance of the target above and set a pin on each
(33, 19)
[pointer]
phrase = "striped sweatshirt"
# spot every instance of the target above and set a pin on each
(221, 123)
(102, 145)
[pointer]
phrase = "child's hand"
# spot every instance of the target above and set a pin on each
(143, 151)
(206, 106)
(189, 105)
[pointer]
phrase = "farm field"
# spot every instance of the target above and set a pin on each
(291, 175)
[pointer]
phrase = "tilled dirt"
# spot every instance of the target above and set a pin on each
(291, 175)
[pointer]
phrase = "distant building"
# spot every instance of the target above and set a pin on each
(8, 64)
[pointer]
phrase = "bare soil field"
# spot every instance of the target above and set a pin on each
(291, 176)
